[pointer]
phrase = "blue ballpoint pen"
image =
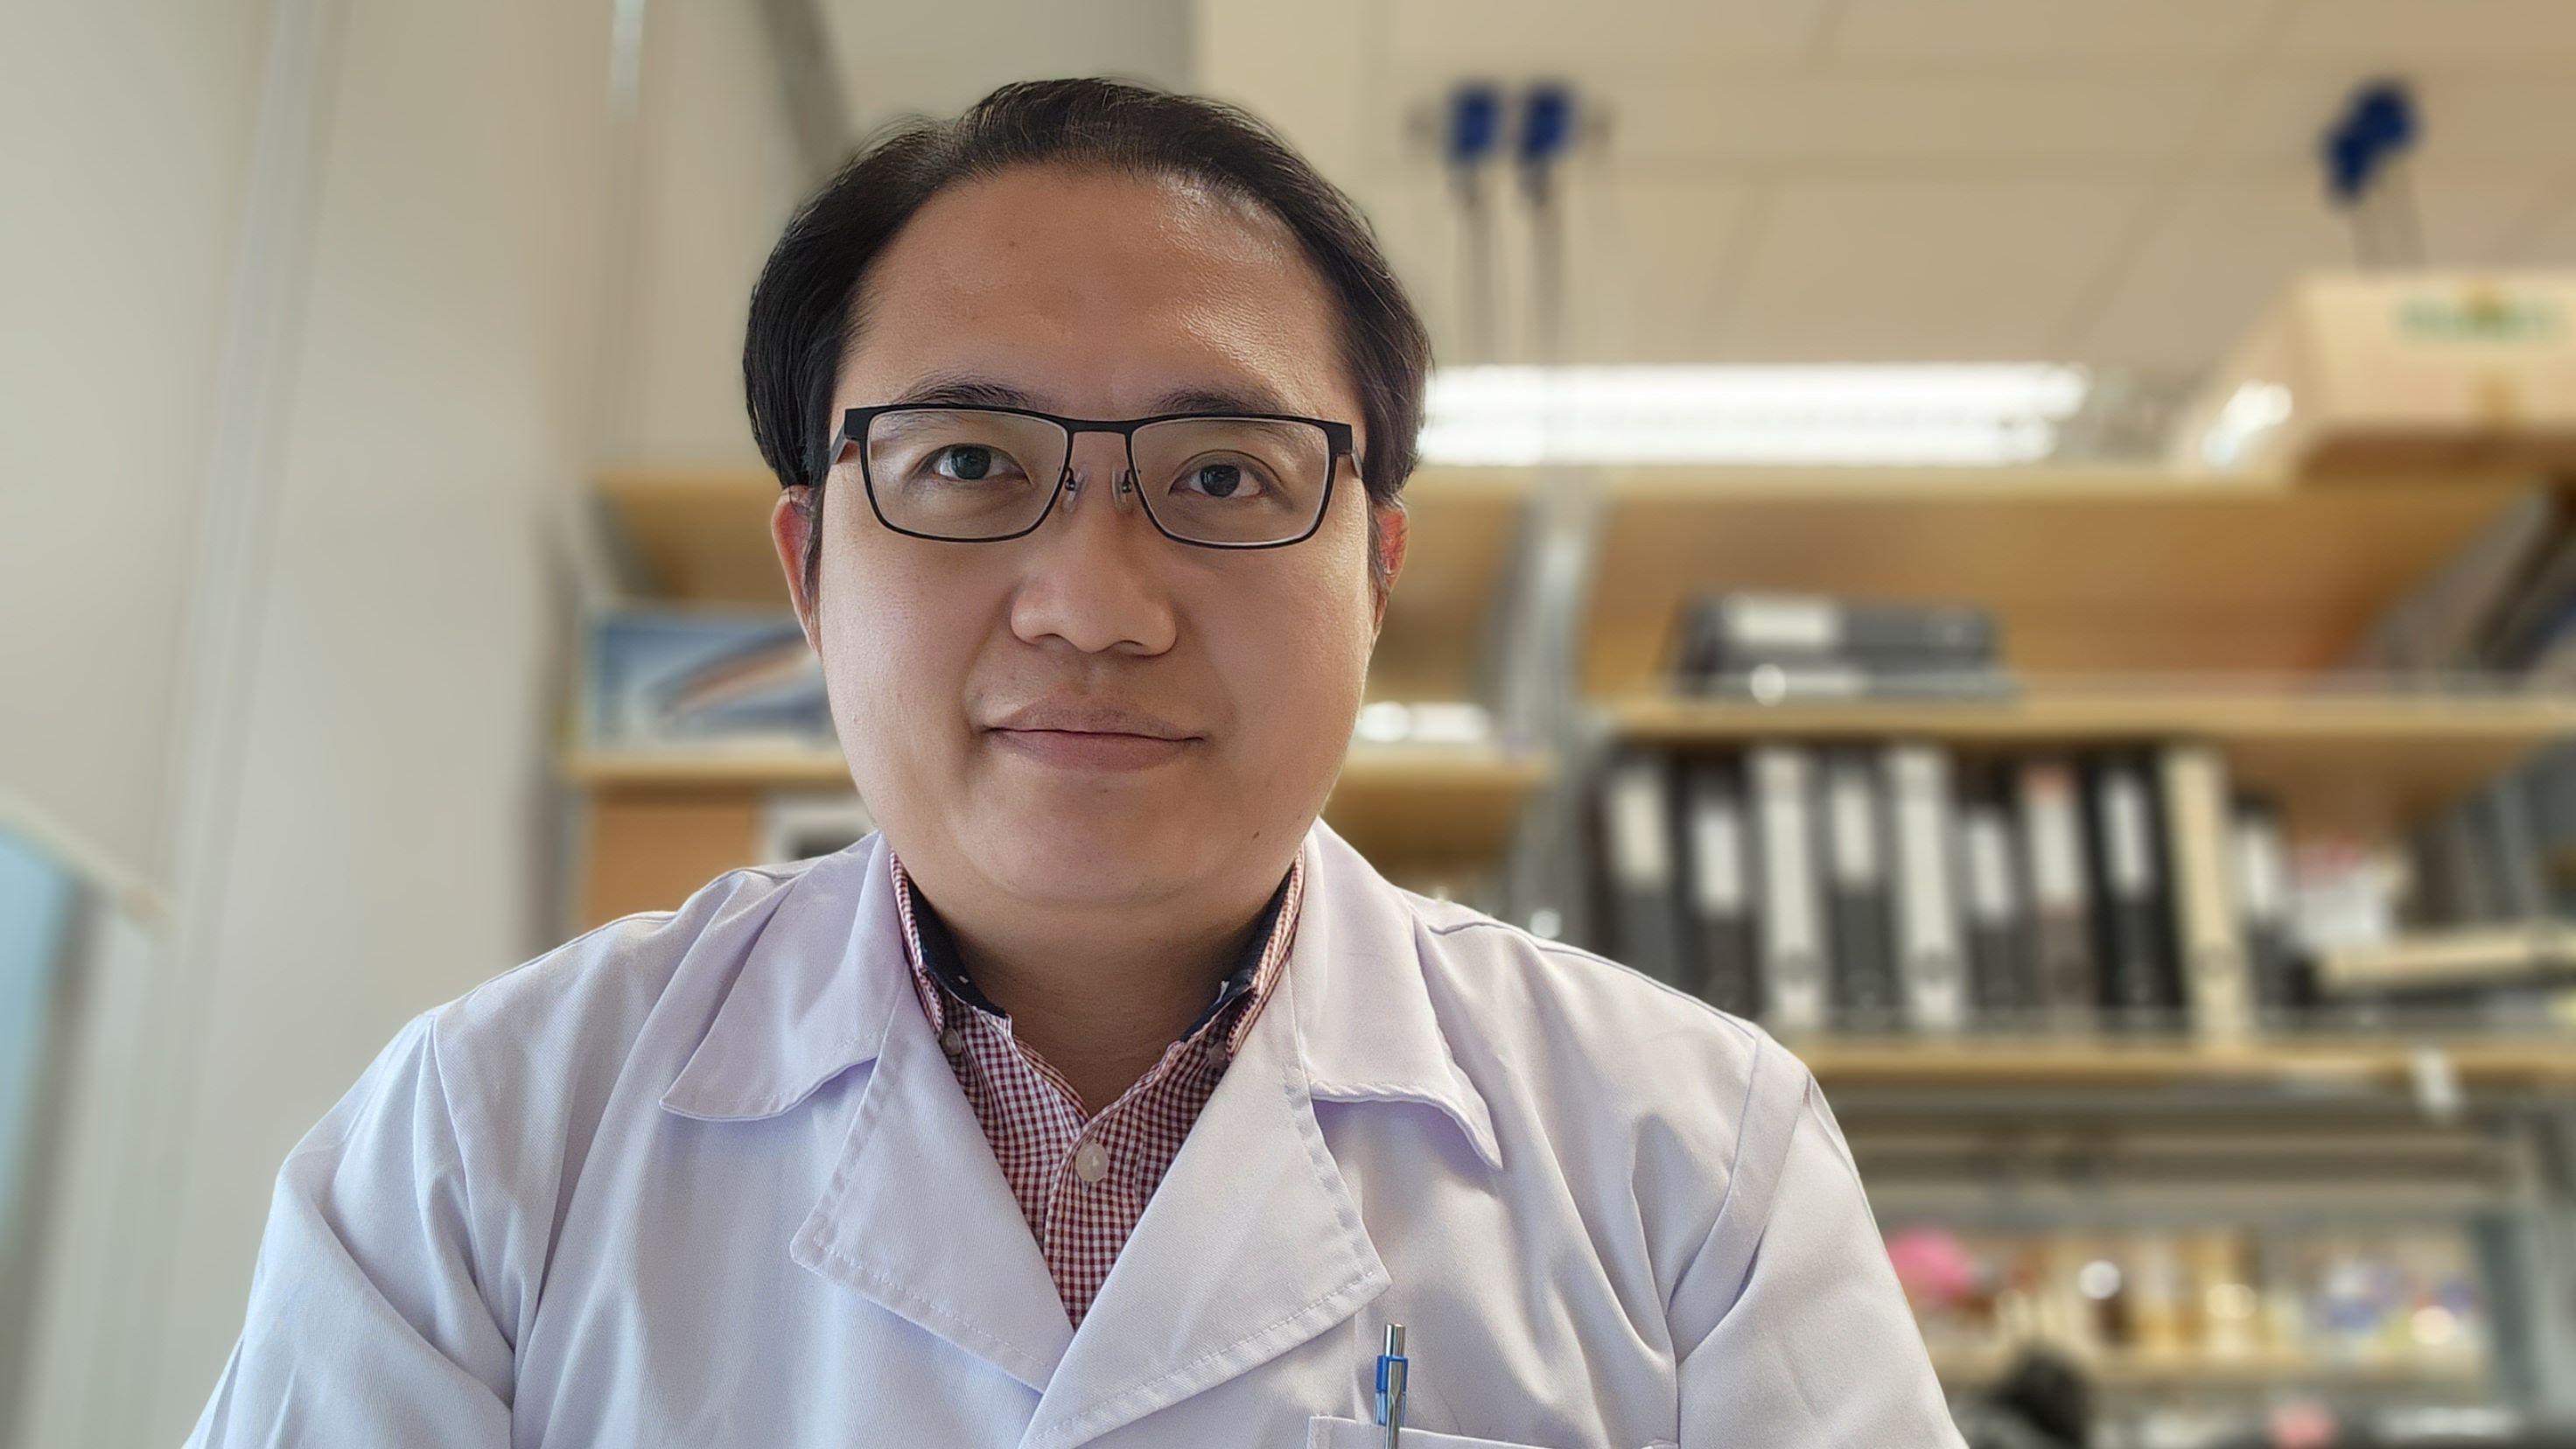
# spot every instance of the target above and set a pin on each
(1392, 1368)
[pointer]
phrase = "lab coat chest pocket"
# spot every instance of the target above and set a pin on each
(1330, 1433)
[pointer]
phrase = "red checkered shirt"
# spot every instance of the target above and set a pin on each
(1082, 1180)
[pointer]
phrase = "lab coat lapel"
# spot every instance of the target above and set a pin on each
(1250, 1246)
(917, 1217)
(1253, 1244)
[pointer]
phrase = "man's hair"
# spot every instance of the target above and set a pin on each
(804, 308)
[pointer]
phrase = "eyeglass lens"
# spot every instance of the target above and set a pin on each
(969, 475)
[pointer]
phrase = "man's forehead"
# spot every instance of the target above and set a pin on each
(1179, 306)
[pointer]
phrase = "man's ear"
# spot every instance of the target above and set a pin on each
(791, 530)
(1390, 537)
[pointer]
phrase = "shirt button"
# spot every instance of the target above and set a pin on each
(952, 1041)
(1091, 1162)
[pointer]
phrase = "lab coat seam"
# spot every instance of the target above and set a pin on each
(377, 1080)
(1547, 947)
(1719, 1226)
(458, 1134)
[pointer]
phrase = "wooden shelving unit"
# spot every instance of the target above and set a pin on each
(2135, 607)
(2089, 571)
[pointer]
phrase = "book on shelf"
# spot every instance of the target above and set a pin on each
(2211, 946)
(2452, 959)
(2002, 970)
(1931, 954)
(1859, 909)
(1728, 631)
(1718, 864)
(2259, 860)
(1897, 887)
(2060, 892)
(702, 679)
(2133, 924)
(1789, 931)
(1842, 682)
(2445, 624)
(1638, 856)
(1789, 649)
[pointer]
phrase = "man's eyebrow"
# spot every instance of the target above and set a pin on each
(1252, 398)
(965, 390)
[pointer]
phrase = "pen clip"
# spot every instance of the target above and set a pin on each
(1393, 1368)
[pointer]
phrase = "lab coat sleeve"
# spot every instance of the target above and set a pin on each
(368, 1319)
(1790, 1326)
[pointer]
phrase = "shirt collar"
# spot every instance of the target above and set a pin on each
(809, 979)
(941, 978)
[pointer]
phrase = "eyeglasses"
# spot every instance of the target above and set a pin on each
(965, 474)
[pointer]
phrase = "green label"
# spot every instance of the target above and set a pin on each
(2480, 316)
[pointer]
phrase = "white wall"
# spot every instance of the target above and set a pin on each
(379, 855)
(898, 59)
(719, 175)
(124, 137)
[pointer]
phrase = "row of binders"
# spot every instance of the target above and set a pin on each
(1888, 888)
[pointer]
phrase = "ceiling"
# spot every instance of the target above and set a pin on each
(2121, 182)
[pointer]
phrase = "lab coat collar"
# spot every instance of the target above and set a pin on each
(1204, 1289)
(812, 996)
(1365, 1027)
(1365, 1023)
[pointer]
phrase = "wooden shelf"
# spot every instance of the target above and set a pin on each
(2342, 762)
(2087, 570)
(2253, 1369)
(702, 536)
(2110, 1063)
(1434, 804)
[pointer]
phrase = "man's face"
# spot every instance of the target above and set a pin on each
(1094, 715)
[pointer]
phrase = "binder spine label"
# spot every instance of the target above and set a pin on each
(1854, 823)
(1792, 930)
(2262, 880)
(2126, 854)
(1640, 854)
(1784, 623)
(1990, 879)
(2056, 844)
(1930, 957)
(1717, 856)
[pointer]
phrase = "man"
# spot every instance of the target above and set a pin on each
(1104, 1097)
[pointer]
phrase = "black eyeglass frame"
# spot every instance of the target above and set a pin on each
(1338, 439)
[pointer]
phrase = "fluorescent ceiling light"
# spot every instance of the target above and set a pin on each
(1958, 414)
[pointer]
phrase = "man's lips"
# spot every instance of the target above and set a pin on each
(1091, 735)
(1090, 717)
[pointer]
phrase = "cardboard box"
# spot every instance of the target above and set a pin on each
(2396, 373)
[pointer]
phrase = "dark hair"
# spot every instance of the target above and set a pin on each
(803, 308)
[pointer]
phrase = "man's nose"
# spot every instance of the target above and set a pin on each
(1095, 576)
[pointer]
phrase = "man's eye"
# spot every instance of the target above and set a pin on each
(965, 463)
(1222, 480)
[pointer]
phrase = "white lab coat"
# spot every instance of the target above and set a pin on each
(704, 1178)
